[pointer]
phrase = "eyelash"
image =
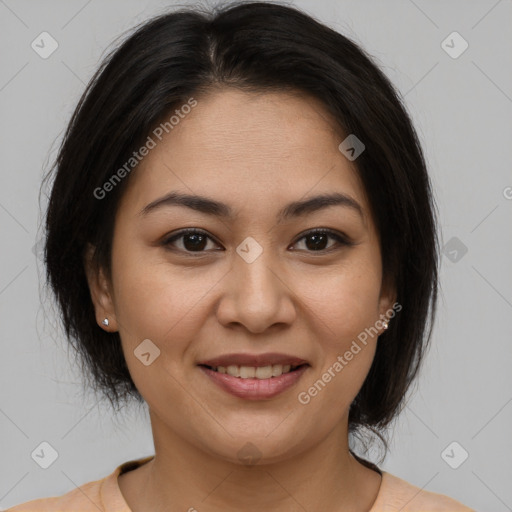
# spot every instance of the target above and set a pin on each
(342, 240)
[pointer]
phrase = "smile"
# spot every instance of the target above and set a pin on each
(254, 383)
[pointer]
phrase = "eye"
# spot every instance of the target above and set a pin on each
(192, 240)
(195, 240)
(319, 237)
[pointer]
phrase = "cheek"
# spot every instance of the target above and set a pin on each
(343, 307)
(344, 301)
(163, 306)
(342, 314)
(151, 294)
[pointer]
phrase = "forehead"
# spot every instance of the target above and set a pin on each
(248, 148)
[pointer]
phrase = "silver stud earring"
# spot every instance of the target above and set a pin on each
(385, 324)
(105, 321)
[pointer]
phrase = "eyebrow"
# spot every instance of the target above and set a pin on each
(215, 208)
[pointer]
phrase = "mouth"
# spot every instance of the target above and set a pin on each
(254, 377)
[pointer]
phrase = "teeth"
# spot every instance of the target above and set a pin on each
(263, 372)
(233, 370)
(277, 370)
(247, 372)
(251, 372)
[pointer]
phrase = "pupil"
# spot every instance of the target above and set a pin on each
(318, 241)
(198, 242)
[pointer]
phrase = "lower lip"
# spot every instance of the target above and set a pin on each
(255, 389)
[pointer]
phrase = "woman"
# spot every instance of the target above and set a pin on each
(241, 234)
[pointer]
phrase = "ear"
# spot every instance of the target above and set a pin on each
(386, 302)
(101, 291)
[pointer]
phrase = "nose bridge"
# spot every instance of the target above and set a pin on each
(256, 296)
(255, 270)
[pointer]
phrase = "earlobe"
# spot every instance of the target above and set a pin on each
(100, 290)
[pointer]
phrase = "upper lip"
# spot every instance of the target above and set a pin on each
(255, 360)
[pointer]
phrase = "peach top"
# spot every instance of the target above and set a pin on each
(105, 495)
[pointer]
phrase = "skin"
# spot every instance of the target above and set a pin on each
(256, 153)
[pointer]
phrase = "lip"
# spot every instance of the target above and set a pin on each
(254, 389)
(255, 360)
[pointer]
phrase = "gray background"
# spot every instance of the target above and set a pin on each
(461, 108)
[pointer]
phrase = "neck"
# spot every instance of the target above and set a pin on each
(325, 477)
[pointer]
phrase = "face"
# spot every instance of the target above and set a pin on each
(267, 271)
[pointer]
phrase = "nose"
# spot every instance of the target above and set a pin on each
(256, 295)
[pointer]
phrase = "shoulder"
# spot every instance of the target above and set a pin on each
(397, 494)
(85, 498)
(101, 495)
